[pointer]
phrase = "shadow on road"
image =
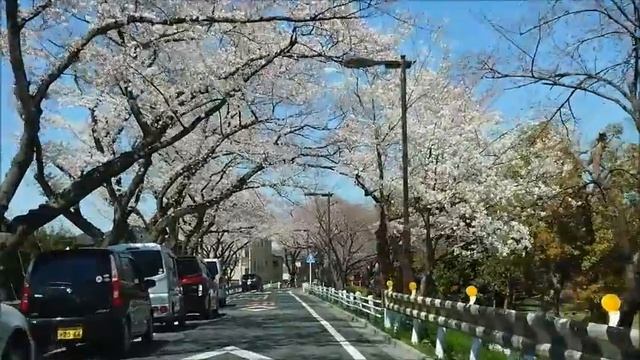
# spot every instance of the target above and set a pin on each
(280, 334)
(83, 351)
(138, 349)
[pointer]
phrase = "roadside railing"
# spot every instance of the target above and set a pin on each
(272, 285)
(530, 333)
(351, 301)
(234, 289)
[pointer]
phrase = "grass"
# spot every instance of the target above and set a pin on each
(457, 343)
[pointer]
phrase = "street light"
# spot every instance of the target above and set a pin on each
(328, 195)
(357, 62)
(403, 64)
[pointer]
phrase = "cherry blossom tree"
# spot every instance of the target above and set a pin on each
(465, 196)
(126, 65)
(585, 48)
(344, 242)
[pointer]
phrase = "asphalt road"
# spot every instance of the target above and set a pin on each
(264, 325)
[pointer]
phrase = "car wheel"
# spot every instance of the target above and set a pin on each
(122, 344)
(17, 349)
(215, 311)
(182, 321)
(147, 337)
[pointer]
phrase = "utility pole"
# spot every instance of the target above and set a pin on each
(406, 227)
(403, 64)
(328, 195)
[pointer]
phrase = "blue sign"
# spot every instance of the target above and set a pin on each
(311, 259)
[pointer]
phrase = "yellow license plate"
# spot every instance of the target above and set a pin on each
(70, 333)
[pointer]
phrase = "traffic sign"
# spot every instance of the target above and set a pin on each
(311, 259)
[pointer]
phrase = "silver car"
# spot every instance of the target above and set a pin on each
(215, 268)
(158, 263)
(16, 342)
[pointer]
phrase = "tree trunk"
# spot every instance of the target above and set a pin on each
(556, 289)
(382, 248)
(631, 298)
(404, 260)
(120, 228)
(427, 283)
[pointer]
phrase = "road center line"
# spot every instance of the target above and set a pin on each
(355, 354)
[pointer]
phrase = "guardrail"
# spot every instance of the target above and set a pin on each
(234, 289)
(275, 285)
(352, 301)
(531, 333)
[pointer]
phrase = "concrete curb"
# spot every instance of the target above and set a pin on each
(368, 329)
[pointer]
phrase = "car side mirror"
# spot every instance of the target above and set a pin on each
(149, 283)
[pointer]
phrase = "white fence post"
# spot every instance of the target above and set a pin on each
(474, 354)
(415, 330)
(415, 339)
(440, 342)
(387, 312)
(475, 349)
(387, 318)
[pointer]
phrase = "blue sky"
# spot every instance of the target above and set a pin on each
(465, 32)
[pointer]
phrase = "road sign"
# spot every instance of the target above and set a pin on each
(231, 350)
(311, 259)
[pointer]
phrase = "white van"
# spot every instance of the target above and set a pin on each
(158, 262)
(215, 268)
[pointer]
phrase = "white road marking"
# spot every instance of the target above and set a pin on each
(355, 354)
(244, 354)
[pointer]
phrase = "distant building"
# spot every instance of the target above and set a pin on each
(258, 258)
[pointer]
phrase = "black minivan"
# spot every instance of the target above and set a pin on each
(94, 296)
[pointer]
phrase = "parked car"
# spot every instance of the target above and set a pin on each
(251, 282)
(93, 296)
(158, 263)
(198, 285)
(215, 268)
(16, 342)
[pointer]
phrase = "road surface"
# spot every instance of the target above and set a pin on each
(277, 324)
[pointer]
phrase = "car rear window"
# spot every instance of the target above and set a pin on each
(212, 266)
(69, 268)
(249, 276)
(188, 266)
(149, 262)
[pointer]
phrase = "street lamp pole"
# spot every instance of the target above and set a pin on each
(406, 227)
(328, 195)
(403, 64)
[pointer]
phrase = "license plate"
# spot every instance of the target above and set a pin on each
(70, 333)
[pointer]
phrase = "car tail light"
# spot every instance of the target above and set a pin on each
(164, 309)
(116, 299)
(192, 280)
(24, 299)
